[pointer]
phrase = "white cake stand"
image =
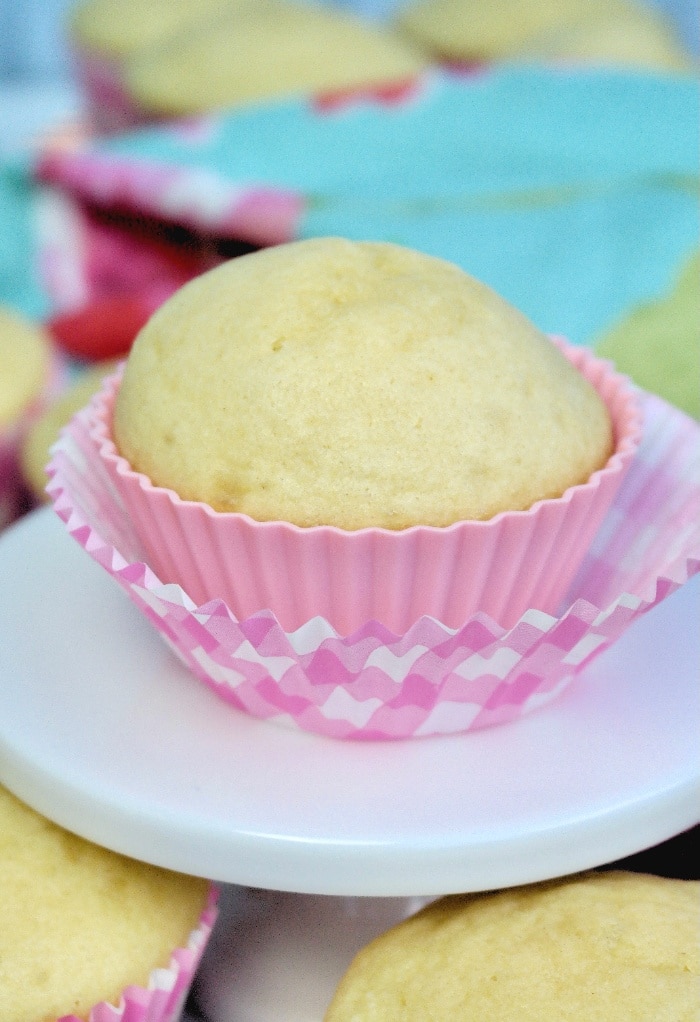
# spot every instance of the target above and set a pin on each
(102, 730)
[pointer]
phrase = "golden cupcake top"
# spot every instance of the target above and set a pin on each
(24, 364)
(622, 33)
(601, 947)
(80, 923)
(121, 29)
(266, 50)
(354, 384)
(45, 429)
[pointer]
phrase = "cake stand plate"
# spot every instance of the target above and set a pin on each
(104, 731)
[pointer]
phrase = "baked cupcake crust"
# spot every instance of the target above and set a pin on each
(604, 947)
(354, 384)
(81, 923)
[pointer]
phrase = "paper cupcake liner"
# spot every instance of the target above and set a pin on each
(164, 997)
(502, 567)
(434, 679)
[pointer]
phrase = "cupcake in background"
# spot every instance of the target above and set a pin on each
(263, 52)
(626, 33)
(88, 934)
(104, 35)
(658, 344)
(26, 365)
(598, 946)
(44, 430)
(146, 61)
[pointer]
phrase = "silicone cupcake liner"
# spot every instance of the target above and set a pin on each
(515, 561)
(164, 998)
(433, 679)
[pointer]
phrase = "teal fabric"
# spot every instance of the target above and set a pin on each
(573, 194)
(20, 286)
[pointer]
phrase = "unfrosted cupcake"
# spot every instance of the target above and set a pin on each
(598, 946)
(104, 35)
(351, 486)
(267, 51)
(613, 32)
(25, 373)
(657, 343)
(88, 934)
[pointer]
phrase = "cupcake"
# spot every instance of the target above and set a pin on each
(598, 946)
(657, 344)
(633, 37)
(350, 484)
(44, 430)
(613, 32)
(104, 36)
(88, 934)
(25, 373)
(267, 51)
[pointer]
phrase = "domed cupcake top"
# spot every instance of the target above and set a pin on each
(354, 384)
(24, 364)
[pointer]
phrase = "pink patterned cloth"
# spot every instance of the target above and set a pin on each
(433, 679)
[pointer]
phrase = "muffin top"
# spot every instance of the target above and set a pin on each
(354, 384)
(80, 923)
(119, 30)
(265, 50)
(604, 31)
(24, 364)
(604, 947)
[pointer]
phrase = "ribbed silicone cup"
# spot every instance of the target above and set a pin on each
(164, 997)
(503, 567)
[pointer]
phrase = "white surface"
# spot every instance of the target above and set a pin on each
(277, 957)
(104, 731)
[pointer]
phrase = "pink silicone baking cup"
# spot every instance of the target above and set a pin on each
(433, 678)
(501, 567)
(164, 997)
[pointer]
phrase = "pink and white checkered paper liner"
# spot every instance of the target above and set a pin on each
(374, 684)
(164, 997)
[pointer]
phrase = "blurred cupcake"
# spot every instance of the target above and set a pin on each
(44, 430)
(634, 37)
(612, 32)
(658, 344)
(267, 51)
(598, 946)
(88, 934)
(105, 35)
(25, 374)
